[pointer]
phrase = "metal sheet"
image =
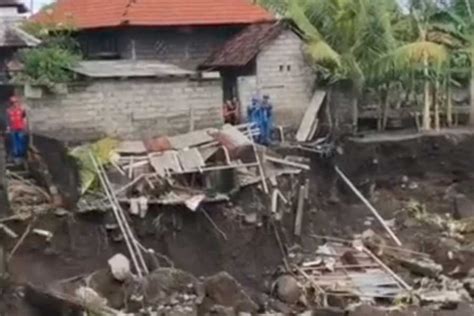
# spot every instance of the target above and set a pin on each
(192, 139)
(190, 159)
(166, 162)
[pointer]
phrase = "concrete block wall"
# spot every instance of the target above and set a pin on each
(128, 109)
(284, 74)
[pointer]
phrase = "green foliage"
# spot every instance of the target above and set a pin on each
(49, 63)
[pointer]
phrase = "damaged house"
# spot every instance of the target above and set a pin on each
(153, 68)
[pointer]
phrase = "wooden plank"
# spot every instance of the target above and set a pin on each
(299, 212)
(310, 119)
(287, 162)
(131, 147)
(192, 139)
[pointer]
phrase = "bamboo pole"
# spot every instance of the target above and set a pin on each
(369, 206)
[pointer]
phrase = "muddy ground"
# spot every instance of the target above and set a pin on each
(425, 171)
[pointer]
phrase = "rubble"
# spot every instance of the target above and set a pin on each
(288, 289)
(120, 267)
(222, 289)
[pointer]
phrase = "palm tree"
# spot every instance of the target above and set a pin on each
(461, 13)
(345, 37)
(417, 54)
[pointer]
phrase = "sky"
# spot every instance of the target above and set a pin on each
(37, 4)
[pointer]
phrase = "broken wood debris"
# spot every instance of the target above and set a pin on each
(191, 160)
(287, 162)
(342, 270)
(369, 205)
(130, 240)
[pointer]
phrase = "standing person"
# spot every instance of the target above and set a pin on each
(17, 127)
(267, 120)
(230, 113)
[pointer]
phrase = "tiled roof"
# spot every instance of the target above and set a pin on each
(128, 69)
(85, 14)
(244, 46)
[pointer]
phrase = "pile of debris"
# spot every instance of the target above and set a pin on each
(203, 166)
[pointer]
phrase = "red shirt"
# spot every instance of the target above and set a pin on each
(16, 118)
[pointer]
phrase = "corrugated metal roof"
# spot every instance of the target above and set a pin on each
(129, 68)
(244, 46)
(12, 36)
(14, 3)
(86, 14)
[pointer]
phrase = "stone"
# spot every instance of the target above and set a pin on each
(288, 289)
(422, 266)
(463, 309)
(469, 285)
(120, 267)
(222, 289)
(104, 283)
(219, 310)
(463, 207)
(90, 297)
(329, 311)
(164, 284)
(441, 297)
(366, 310)
(251, 218)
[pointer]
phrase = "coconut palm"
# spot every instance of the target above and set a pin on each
(345, 37)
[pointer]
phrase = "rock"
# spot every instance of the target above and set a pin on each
(463, 309)
(104, 283)
(251, 218)
(90, 297)
(163, 284)
(421, 266)
(120, 267)
(463, 207)
(440, 297)
(287, 289)
(223, 289)
(219, 310)
(469, 285)
(366, 310)
(328, 311)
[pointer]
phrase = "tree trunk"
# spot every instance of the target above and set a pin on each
(427, 106)
(380, 108)
(449, 103)
(386, 108)
(328, 108)
(355, 113)
(436, 106)
(471, 91)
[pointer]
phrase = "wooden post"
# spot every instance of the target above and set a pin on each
(4, 203)
(299, 211)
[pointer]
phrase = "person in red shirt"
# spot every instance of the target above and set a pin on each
(17, 128)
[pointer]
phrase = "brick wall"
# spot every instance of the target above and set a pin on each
(129, 109)
(284, 74)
